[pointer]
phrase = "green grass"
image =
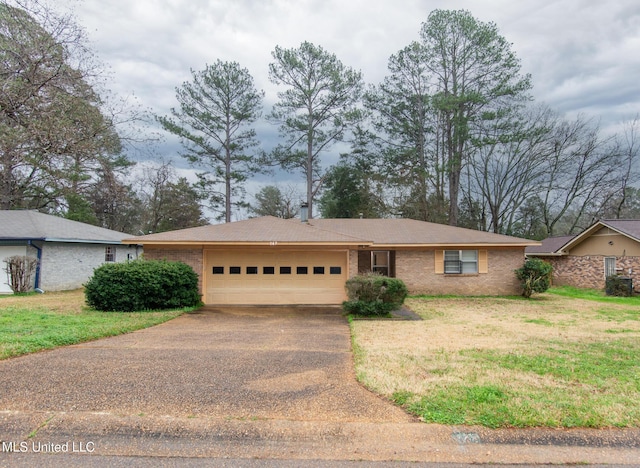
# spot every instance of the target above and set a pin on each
(592, 295)
(25, 329)
(568, 358)
(594, 385)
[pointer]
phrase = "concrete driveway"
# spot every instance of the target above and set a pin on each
(223, 386)
(234, 363)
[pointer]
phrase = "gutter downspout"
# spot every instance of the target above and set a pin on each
(39, 257)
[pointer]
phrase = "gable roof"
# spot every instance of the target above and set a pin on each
(32, 225)
(627, 227)
(401, 231)
(269, 230)
(549, 246)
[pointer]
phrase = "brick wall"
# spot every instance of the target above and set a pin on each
(353, 263)
(67, 266)
(192, 257)
(417, 269)
(588, 271)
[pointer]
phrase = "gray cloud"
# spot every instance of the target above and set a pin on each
(582, 54)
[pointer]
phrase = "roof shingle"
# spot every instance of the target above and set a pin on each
(269, 229)
(25, 224)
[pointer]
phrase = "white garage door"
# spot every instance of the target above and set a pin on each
(275, 277)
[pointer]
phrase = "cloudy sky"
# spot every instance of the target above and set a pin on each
(583, 55)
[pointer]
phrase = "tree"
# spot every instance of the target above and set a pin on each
(314, 111)
(528, 223)
(626, 205)
(475, 74)
(406, 126)
(271, 201)
(213, 122)
(508, 164)
(54, 133)
(348, 193)
(629, 149)
(579, 173)
(343, 196)
(115, 203)
(168, 202)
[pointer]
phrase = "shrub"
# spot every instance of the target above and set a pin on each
(20, 270)
(142, 285)
(620, 286)
(374, 295)
(534, 276)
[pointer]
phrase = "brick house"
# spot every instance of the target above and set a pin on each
(275, 261)
(608, 247)
(68, 251)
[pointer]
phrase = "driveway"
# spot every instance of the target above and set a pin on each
(223, 386)
(235, 363)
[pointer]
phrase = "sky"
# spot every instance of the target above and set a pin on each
(583, 55)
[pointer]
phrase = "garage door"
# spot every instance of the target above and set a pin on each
(275, 277)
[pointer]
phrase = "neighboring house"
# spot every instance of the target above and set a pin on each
(275, 261)
(608, 247)
(68, 251)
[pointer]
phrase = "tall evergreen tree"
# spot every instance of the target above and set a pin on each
(475, 75)
(315, 110)
(214, 118)
(406, 128)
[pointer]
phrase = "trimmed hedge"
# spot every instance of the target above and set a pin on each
(374, 295)
(142, 285)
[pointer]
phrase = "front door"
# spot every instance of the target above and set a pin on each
(609, 266)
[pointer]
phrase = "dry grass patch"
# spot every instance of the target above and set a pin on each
(58, 301)
(549, 361)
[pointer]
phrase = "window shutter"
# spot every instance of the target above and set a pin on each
(483, 261)
(439, 267)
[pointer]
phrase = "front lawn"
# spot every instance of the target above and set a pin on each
(35, 322)
(566, 358)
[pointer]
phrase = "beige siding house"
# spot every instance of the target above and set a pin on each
(608, 247)
(275, 261)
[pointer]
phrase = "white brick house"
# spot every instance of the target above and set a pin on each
(68, 251)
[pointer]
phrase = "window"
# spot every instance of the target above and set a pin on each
(335, 270)
(252, 270)
(218, 270)
(268, 270)
(234, 270)
(285, 270)
(380, 262)
(460, 261)
(318, 270)
(302, 270)
(109, 254)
